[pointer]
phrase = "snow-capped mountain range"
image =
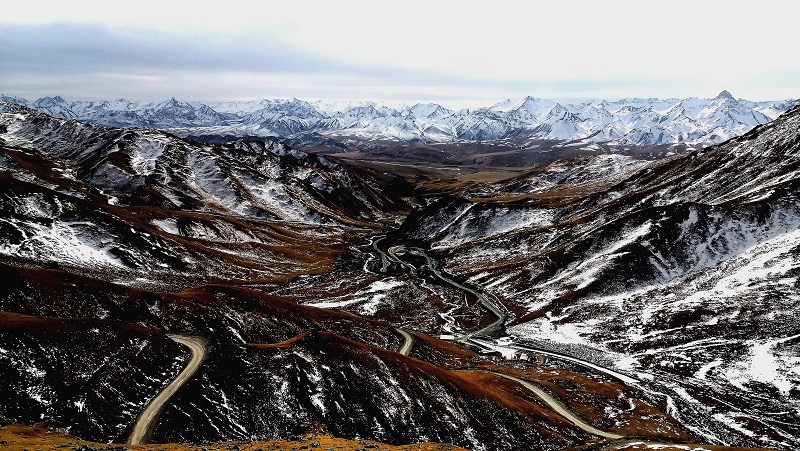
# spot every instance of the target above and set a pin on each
(626, 122)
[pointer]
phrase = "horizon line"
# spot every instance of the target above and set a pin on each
(383, 102)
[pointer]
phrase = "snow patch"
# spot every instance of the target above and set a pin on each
(167, 225)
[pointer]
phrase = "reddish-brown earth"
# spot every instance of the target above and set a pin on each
(83, 340)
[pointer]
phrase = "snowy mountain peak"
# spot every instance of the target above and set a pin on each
(557, 111)
(530, 104)
(429, 110)
(502, 106)
(50, 100)
(725, 95)
(172, 101)
(534, 105)
(632, 121)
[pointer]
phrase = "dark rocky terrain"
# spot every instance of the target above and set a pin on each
(681, 273)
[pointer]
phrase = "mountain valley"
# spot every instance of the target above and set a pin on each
(532, 275)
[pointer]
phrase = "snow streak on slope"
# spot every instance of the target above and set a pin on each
(140, 201)
(320, 378)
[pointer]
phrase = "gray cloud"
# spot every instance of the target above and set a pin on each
(77, 48)
(94, 61)
(70, 55)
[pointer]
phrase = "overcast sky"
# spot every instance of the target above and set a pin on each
(455, 53)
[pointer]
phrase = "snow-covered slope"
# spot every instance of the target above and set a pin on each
(253, 179)
(627, 122)
(275, 369)
(115, 237)
(687, 268)
(321, 379)
(146, 202)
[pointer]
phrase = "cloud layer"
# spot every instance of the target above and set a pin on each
(438, 51)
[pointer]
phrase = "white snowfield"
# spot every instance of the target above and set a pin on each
(626, 122)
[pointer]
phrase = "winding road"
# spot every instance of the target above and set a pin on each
(554, 404)
(146, 423)
(408, 342)
(392, 255)
(557, 406)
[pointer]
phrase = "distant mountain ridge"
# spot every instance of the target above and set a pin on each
(626, 122)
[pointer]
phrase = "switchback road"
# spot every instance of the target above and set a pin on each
(392, 255)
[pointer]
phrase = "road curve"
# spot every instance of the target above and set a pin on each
(557, 406)
(146, 423)
(493, 328)
(408, 342)
(608, 371)
(497, 325)
(391, 256)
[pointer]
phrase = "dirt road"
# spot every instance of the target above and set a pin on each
(146, 423)
(408, 342)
